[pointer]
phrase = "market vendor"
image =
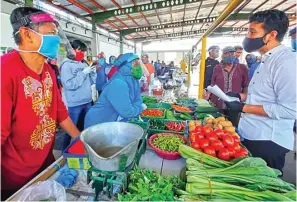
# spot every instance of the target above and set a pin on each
(31, 102)
(292, 34)
(121, 97)
(149, 66)
(210, 63)
(229, 76)
(269, 110)
(101, 79)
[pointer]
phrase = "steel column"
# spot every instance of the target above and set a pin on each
(202, 68)
(121, 43)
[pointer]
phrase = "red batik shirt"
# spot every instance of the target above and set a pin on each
(31, 108)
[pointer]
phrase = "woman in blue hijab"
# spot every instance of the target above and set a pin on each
(121, 96)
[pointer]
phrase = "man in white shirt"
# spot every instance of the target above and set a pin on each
(269, 110)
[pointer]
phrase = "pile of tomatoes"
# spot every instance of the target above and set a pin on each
(218, 143)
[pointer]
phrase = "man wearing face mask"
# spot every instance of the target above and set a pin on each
(101, 76)
(31, 102)
(109, 66)
(77, 78)
(121, 97)
(292, 34)
(210, 63)
(238, 53)
(252, 63)
(229, 76)
(269, 110)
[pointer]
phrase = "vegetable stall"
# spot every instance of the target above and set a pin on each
(190, 136)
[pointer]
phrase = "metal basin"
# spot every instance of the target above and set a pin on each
(119, 134)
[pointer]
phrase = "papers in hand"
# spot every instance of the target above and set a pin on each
(220, 94)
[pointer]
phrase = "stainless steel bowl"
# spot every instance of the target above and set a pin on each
(120, 134)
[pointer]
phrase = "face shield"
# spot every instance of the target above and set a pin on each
(37, 18)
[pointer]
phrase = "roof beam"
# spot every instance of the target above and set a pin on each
(219, 30)
(233, 17)
(210, 12)
(116, 3)
(197, 13)
(158, 17)
(100, 16)
(294, 5)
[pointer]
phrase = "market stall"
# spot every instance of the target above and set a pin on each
(180, 148)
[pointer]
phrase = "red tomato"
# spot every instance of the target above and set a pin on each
(224, 155)
(244, 151)
(193, 137)
(218, 132)
(217, 144)
(231, 151)
(196, 146)
(199, 129)
(199, 135)
(236, 140)
(237, 148)
(238, 155)
(212, 136)
(203, 143)
(228, 141)
(207, 130)
(210, 151)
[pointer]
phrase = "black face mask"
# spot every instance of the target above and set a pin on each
(253, 44)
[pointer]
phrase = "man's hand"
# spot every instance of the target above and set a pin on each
(235, 106)
(234, 95)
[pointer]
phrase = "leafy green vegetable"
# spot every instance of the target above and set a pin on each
(146, 185)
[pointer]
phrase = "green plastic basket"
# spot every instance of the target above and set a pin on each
(154, 117)
(160, 106)
(153, 131)
(143, 125)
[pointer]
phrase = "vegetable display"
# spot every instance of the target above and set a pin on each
(181, 109)
(148, 100)
(146, 185)
(244, 179)
(152, 113)
(218, 143)
(167, 125)
(168, 142)
(219, 123)
(169, 115)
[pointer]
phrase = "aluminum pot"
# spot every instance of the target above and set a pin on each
(121, 134)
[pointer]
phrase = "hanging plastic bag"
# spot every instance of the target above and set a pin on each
(44, 190)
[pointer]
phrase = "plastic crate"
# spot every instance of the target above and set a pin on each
(143, 125)
(160, 106)
(153, 131)
(76, 161)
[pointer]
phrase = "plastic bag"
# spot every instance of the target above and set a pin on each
(44, 190)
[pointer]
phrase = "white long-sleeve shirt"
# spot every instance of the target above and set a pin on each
(274, 87)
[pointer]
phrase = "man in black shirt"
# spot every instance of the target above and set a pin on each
(210, 63)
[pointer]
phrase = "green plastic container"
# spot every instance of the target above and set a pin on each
(160, 106)
(154, 117)
(143, 125)
(153, 131)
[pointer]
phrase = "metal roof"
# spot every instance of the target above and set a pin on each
(144, 20)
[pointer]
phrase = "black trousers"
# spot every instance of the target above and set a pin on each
(272, 153)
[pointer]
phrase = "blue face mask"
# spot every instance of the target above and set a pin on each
(229, 59)
(101, 61)
(251, 60)
(112, 61)
(293, 44)
(49, 46)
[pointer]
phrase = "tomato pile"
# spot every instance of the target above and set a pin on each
(218, 143)
(152, 112)
(175, 126)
